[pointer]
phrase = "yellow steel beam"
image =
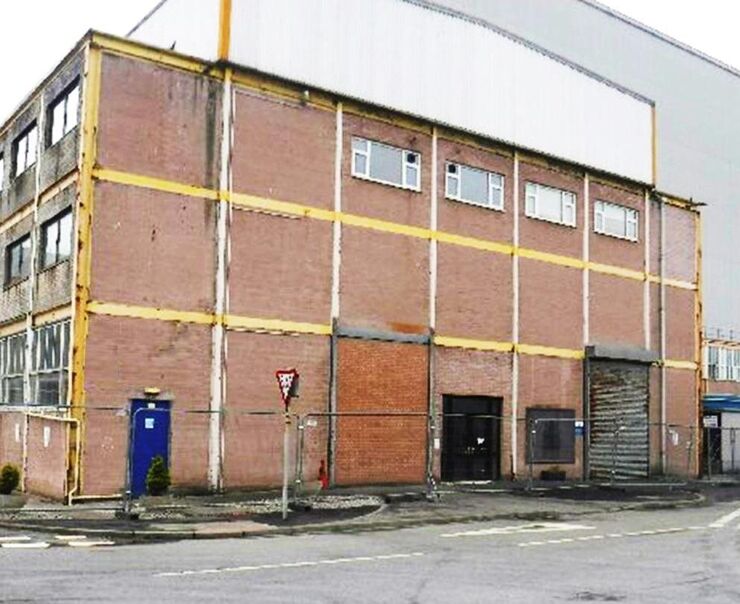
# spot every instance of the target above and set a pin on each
(467, 343)
(549, 351)
(224, 30)
(82, 262)
(156, 184)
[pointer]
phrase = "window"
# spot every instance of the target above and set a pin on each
(615, 220)
(63, 113)
(13, 365)
(385, 164)
(551, 435)
(25, 149)
(18, 260)
(548, 203)
(475, 186)
(2, 172)
(50, 359)
(712, 363)
(56, 239)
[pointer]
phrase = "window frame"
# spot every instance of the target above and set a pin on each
(405, 164)
(17, 243)
(2, 172)
(566, 456)
(490, 175)
(599, 206)
(57, 219)
(63, 99)
(24, 137)
(6, 376)
(538, 216)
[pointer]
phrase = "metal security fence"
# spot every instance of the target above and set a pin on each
(721, 450)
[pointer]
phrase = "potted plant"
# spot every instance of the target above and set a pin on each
(158, 477)
(10, 478)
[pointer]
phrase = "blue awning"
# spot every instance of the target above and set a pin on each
(721, 402)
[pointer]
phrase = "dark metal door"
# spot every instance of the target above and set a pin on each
(470, 449)
(618, 406)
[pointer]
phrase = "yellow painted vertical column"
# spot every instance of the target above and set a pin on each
(224, 30)
(83, 253)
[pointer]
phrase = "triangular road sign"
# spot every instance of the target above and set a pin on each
(287, 380)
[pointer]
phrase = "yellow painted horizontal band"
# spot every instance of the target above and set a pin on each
(671, 364)
(478, 244)
(144, 312)
(257, 203)
(276, 325)
(677, 283)
(450, 342)
(550, 258)
(549, 351)
(156, 184)
(616, 271)
(141, 51)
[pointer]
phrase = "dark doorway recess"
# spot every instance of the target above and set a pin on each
(471, 435)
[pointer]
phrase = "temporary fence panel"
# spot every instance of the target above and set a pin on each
(618, 403)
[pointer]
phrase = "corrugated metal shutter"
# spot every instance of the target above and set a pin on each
(618, 400)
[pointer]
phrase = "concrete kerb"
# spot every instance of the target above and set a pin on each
(366, 524)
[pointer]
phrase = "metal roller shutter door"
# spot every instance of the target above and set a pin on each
(618, 400)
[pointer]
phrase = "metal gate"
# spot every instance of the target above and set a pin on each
(618, 406)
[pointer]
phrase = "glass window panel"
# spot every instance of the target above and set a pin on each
(65, 236)
(452, 186)
(359, 144)
(32, 141)
(25, 260)
(386, 164)
(2, 172)
(14, 391)
(360, 164)
(50, 236)
(20, 155)
(474, 185)
(412, 176)
(73, 102)
(57, 122)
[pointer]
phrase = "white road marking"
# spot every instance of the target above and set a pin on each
(26, 545)
(86, 543)
(725, 520)
(665, 531)
(238, 569)
(542, 527)
(14, 539)
(69, 537)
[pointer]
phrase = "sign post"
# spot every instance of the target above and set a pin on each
(288, 384)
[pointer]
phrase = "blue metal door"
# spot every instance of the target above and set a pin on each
(149, 436)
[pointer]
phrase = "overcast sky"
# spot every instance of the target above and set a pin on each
(55, 25)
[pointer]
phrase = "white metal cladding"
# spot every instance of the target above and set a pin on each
(186, 26)
(443, 68)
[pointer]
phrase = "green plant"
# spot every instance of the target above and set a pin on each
(158, 477)
(10, 477)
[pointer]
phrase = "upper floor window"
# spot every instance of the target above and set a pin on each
(56, 239)
(475, 186)
(722, 364)
(18, 260)
(2, 171)
(385, 164)
(615, 220)
(551, 204)
(63, 113)
(24, 149)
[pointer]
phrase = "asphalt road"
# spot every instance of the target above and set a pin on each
(685, 555)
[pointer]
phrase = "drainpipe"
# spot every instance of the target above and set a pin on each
(663, 431)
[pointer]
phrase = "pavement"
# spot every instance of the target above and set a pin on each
(356, 510)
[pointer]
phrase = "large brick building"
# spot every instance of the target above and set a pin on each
(175, 229)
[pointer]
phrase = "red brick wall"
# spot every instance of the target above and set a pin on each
(124, 356)
(551, 302)
(11, 451)
(47, 460)
(283, 150)
(381, 377)
(152, 249)
(616, 310)
(474, 294)
(159, 122)
(253, 451)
